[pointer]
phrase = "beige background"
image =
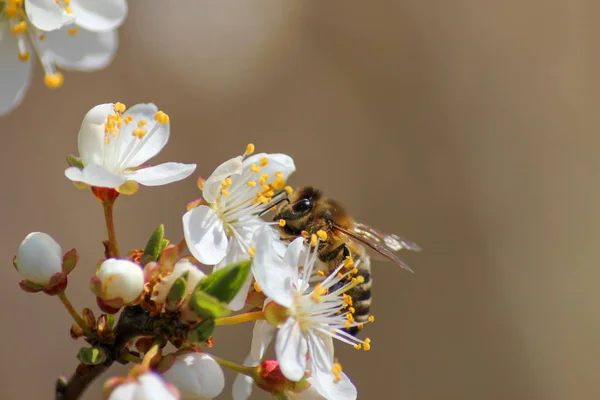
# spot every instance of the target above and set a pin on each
(468, 126)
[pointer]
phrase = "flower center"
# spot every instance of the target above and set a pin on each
(120, 146)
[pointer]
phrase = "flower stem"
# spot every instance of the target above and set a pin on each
(75, 315)
(126, 356)
(238, 319)
(110, 228)
(150, 354)
(242, 369)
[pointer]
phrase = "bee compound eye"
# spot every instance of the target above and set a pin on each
(303, 205)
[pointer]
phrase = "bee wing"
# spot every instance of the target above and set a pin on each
(375, 245)
(391, 241)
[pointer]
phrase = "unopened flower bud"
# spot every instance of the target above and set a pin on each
(39, 258)
(196, 375)
(159, 294)
(118, 282)
(148, 386)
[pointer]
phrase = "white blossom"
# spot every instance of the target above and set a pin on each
(115, 143)
(148, 386)
(197, 376)
(118, 280)
(39, 258)
(95, 16)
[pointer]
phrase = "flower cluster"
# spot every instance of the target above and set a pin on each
(160, 294)
(68, 34)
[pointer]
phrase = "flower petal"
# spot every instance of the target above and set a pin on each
(162, 174)
(153, 387)
(277, 163)
(326, 386)
(91, 134)
(84, 51)
(205, 235)
(47, 15)
(239, 301)
(14, 79)
(96, 175)
(39, 258)
(212, 185)
(242, 386)
(291, 349)
(196, 375)
(97, 16)
(274, 277)
(154, 141)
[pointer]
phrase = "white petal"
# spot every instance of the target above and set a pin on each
(291, 349)
(242, 386)
(154, 141)
(39, 257)
(15, 75)
(153, 387)
(125, 391)
(272, 274)
(90, 141)
(239, 301)
(96, 175)
(97, 15)
(205, 235)
(277, 163)
(309, 394)
(47, 15)
(320, 358)
(294, 256)
(326, 386)
(212, 185)
(196, 375)
(162, 174)
(262, 335)
(84, 51)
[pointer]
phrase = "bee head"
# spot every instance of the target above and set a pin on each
(296, 212)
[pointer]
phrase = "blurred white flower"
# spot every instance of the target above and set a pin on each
(161, 289)
(148, 386)
(65, 46)
(95, 16)
(118, 282)
(197, 376)
(114, 144)
(313, 315)
(220, 231)
(39, 258)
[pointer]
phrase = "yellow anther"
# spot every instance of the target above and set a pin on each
(279, 175)
(270, 193)
(337, 371)
(42, 37)
(225, 192)
(119, 107)
(348, 325)
(313, 240)
(359, 279)
(255, 168)
(289, 190)
(127, 119)
(264, 161)
(322, 234)
(317, 293)
(278, 184)
(350, 317)
(355, 271)
(371, 318)
(72, 31)
(142, 122)
(139, 132)
(367, 344)
(360, 326)
(305, 234)
(226, 182)
(257, 287)
(161, 117)
(24, 56)
(262, 199)
(251, 183)
(282, 223)
(263, 178)
(249, 149)
(358, 346)
(351, 310)
(340, 275)
(320, 273)
(251, 252)
(69, 10)
(348, 262)
(54, 81)
(19, 28)
(106, 139)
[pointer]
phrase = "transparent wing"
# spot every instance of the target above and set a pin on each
(391, 241)
(380, 248)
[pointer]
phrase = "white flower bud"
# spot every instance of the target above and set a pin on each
(161, 290)
(39, 258)
(120, 279)
(149, 386)
(197, 376)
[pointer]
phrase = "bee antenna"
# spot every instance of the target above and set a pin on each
(275, 203)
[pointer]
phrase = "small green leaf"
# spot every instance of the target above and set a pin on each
(110, 321)
(154, 246)
(74, 161)
(177, 292)
(225, 283)
(91, 355)
(201, 331)
(163, 243)
(207, 306)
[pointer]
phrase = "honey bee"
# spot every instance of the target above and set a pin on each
(307, 212)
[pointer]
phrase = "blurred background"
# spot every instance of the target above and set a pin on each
(467, 126)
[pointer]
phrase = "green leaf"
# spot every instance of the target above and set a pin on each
(163, 243)
(177, 292)
(74, 161)
(110, 320)
(91, 355)
(225, 283)
(201, 331)
(207, 306)
(154, 246)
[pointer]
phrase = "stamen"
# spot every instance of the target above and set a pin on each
(226, 182)
(305, 234)
(73, 31)
(337, 371)
(139, 133)
(141, 123)
(225, 192)
(322, 235)
(257, 287)
(367, 344)
(161, 117)
(371, 318)
(24, 56)
(119, 107)
(289, 190)
(358, 346)
(251, 183)
(320, 273)
(249, 149)
(127, 119)
(19, 28)
(254, 168)
(264, 161)
(313, 240)
(264, 178)
(54, 81)
(317, 293)
(282, 223)
(251, 252)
